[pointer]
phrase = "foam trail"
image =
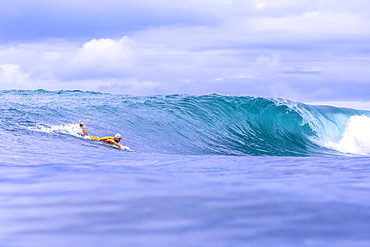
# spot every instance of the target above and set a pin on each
(70, 129)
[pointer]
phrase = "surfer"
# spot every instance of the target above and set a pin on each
(108, 139)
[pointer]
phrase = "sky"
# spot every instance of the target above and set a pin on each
(304, 50)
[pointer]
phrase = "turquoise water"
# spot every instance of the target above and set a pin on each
(207, 170)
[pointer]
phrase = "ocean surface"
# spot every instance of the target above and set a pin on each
(207, 170)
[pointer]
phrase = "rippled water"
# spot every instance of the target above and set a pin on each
(140, 200)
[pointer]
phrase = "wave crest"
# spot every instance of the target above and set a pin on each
(183, 124)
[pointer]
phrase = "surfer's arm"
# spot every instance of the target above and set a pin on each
(84, 132)
(112, 142)
(119, 145)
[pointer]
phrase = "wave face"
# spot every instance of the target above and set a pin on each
(188, 125)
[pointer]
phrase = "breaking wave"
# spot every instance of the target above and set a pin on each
(183, 124)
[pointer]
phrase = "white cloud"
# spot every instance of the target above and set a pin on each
(284, 48)
(314, 25)
(12, 76)
(103, 58)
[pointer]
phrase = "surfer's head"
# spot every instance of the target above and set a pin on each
(117, 138)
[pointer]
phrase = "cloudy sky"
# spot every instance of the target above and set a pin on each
(305, 50)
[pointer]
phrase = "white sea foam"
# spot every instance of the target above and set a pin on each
(70, 129)
(356, 137)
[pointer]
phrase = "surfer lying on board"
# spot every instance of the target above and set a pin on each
(108, 139)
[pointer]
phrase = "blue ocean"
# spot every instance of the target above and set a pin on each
(208, 170)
